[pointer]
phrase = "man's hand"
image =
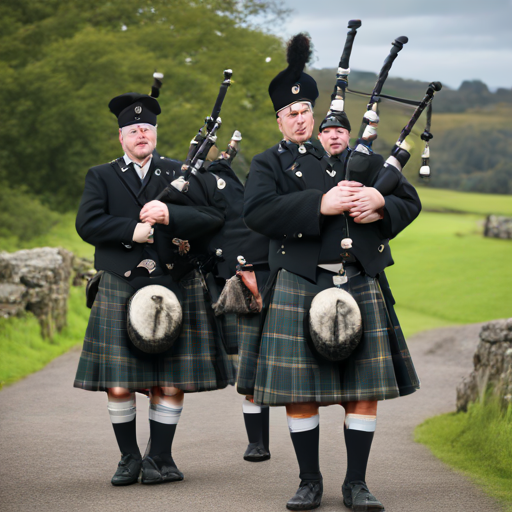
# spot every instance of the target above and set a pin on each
(340, 198)
(367, 217)
(155, 212)
(142, 232)
(368, 207)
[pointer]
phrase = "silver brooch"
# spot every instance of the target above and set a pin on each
(302, 149)
(221, 183)
(149, 265)
(138, 109)
(298, 174)
(331, 173)
(158, 172)
(296, 89)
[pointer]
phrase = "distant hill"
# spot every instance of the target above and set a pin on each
(471, 149)
(470, 94)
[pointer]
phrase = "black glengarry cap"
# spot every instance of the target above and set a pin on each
(338, 119)
(292, 85)
(134, 108)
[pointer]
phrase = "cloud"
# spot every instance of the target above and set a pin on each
(449, 41)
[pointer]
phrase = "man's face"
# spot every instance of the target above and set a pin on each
(138, 140)
(334, 139)
(296, 122)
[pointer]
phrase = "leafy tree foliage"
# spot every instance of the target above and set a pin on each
(61, 61)
(474, 161)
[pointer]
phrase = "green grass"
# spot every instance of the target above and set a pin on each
(439, 200)
(23, 349)
(447, 273)
(477, 443)
(63, 234)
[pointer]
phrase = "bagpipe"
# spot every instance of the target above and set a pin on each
(362, 166)
(200, 146)
(335, 323)
(223, 255)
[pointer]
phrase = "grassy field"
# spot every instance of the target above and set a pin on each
(24, 351)
(446, 273)
(63, 234)
(438, 200)
(477, 443)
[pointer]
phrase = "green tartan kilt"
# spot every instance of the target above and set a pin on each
(287, 371)
(245, 330)
(196, 362)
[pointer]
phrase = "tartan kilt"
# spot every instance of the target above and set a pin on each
(196, 362)
(380, 368)
(245, 330)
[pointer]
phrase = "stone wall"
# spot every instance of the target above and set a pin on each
(37, 280)
(492, 366)
(498, 227)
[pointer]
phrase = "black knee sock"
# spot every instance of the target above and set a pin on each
(265, 426)
(306, 449)
(253, 423)
(358, 445)
(127, 438)
(162, 436)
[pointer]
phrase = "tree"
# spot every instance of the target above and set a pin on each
(63, 61)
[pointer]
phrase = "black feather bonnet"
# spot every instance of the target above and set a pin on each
(292, 85)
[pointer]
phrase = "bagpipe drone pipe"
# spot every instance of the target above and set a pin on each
(389, 175)
(178, 191)
(364, 165)
(234, 238)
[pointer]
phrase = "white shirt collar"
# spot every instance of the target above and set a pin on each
(141, 171)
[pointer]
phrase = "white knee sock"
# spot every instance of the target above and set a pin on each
(249, 408)
(361, 422)
(303, 424)
(122, 411)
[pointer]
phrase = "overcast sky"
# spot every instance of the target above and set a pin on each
(449, 40)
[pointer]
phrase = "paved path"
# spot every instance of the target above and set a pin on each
(58, 452)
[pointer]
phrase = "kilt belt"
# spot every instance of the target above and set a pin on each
(196, 362)
(286, 371)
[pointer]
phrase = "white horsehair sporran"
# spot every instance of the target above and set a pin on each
(335, 323)
(154, 319)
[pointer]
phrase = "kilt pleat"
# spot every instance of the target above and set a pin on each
(288, 372)
(246, 330)
(196, 362)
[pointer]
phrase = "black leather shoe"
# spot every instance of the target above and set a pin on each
(307, 497)
(157, 470)
(256, 452)
(127, 471)
(357, 497)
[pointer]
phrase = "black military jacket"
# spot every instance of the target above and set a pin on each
(110, 207)
(235, 239)
(282, 201)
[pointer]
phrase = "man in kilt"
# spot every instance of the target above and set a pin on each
(240, 331)
(298, 198)
(140, 241)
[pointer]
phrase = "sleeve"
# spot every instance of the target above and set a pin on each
(93, 222)
(401, 207)
(277, 215)
(206, 214)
